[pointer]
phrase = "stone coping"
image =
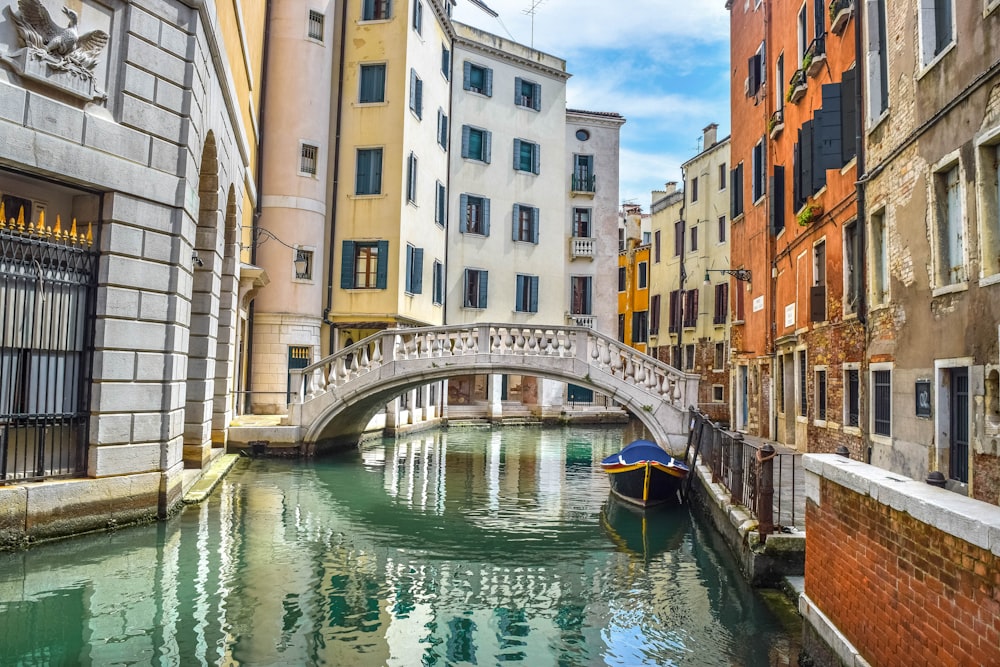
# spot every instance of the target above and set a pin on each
(973, 521)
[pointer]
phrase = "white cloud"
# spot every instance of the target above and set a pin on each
(641, 173)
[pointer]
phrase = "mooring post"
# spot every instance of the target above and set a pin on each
(765, 497)
(716, 435)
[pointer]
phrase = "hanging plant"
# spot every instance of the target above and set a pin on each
(809, 213)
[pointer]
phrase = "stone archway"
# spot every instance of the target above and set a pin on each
(226, 345)
(206, 263)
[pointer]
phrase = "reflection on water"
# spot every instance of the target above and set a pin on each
(457, 547)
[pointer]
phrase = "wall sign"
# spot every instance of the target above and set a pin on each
(922, 398)
(758, 304)
(790, 315)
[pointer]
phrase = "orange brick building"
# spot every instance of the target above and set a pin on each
(797, 339)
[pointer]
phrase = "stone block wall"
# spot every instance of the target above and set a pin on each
(898, 571)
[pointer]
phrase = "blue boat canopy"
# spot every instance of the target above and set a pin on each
(641, 451)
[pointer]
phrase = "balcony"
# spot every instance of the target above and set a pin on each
(584, 184)
(581, 248)
(797, 86)
(776, 123)
(840, 14)
(588, 321)
(815, 56)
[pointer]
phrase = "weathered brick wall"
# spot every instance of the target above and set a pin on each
(900, 590)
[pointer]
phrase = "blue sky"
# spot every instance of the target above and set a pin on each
(663, 64)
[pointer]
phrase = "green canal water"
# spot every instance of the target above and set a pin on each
(460, 547)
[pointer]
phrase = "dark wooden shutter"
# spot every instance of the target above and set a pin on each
(753, 68)
(848, 115)
(732, 194)
(806, 153)
(418, 271)
(515, 227)
(463, 214)
(347, 265)
(828, 127)
(817, 303)
(776, 210)
(654, 315)
(797, 197)
(483, 290)
(534, 225)
(533, 306)
(382, 271)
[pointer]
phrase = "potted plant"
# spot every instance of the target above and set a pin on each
(840, 12)
(809, 213)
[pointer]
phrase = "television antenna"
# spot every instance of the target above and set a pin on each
(531, 11)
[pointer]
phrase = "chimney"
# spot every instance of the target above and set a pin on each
(711, 136)
(670, 188)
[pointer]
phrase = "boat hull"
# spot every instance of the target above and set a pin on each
(645, 485)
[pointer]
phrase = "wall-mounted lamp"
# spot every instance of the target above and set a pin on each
(196, 259)
(301, 262)
(742, 275)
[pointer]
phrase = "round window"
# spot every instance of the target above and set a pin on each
(582, 135)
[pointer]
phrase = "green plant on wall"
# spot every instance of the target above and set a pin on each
(807, 61)
(808, 213)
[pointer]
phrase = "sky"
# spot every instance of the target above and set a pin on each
(662, 64)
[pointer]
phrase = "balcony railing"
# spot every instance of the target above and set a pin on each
(815, 56)
(588, 321)
(797, 86)
(840, 13)
(584, 183)
(581, 247)
(776, 123)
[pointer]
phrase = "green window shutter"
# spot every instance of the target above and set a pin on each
(533, 306)
(388, 9)
(466, 298)
(536, 158)
(534, 225)
(409, 269)
(420, 99)
(519, 293)
(467, 75)
(486, 216)
(518, 84)
(363, 173)
(483, 280)
(367, 9)
(517, 154)
(487, 146)
(463, 217)
(381, 275)
(418, 271)
(515, 227)
(488, 84)
(536, 99)
(347, 265)
(466, 131)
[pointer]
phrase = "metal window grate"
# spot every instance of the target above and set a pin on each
(882, 381)
(316, 21)
(309, 154)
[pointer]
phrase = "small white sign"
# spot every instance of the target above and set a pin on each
(790, 315)
(758, 304)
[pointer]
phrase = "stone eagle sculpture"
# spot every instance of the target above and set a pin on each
(38, 31)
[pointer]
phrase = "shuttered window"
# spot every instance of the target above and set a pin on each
(414, 270)
(416, 94)
(524, 225)
(476, 287)
(477, 79)
(372, 84)
(368, 179)
(526, 294)
(364, 264)
(526, 156)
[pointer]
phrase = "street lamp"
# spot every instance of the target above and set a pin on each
(742, 275)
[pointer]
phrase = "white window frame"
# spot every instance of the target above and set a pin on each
(874, 85)
(758, 170)
(303, 145)
(800, 391)
(882, 366)
(310, 278)
(988, 204)
(321, 22)
(816, 392)
(927, 34)
(845, 412)
(940, 283)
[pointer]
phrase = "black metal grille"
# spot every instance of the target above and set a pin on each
(47, 286)
(883, 402)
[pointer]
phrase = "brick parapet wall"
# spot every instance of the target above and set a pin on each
(900, 568)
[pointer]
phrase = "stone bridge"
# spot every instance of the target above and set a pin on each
(337, 396)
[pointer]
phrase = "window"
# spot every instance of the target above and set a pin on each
(622, 280)
(446, 62)
(689, 357)
(582, 135)
(316, 20)
(694, 238)
(475, 288)
(368, 180)
(640, 329)
(736, 192)
(721, 305)
(414, 270)
(758, 185)
(376, 10)
(476, 143)
(418, 16)
(936, 28)
(678, 238)
(757, 71)
(526, 156)
(372, 84)
(442, 129)
(722, 229)
(642, 280)
(722, 176)
(694, 189)
(583, 173)
(440, 204)
(817, 293)
(645, 238)
(526, 298)
(657, 244)
(690, 308)
(852, 267)
(718, 393)
(621, 238)
(307, 159)
(477, 79)
(803, 401)
(740, 306)
(779, 91)
(878, 59)
(581, 223)
(882, 402)
(720, 356)
(305, 259)
(989, 218)
(416, 94)
(621, 328)
(580, 295)
(820, 394)
(438, 283)
(364, 265)
(852, 397)
(654, 315)
(880, 258)
(674, 325)
(475, 215)
(525, 223)
(411, 179)
(527, 94)
(949, 233)
(802, 33)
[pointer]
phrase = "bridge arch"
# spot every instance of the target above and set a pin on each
(338, 395)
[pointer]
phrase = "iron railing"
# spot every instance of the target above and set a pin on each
(584, 183)
(47, 289)
(770, 484)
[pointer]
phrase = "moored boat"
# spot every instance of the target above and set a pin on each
(644, 474)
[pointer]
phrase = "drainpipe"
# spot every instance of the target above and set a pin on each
(859, 151)
(335, 170)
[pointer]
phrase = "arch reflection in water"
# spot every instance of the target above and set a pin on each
(451, 548)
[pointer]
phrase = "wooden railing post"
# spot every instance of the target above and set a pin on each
(765, 497)
(737, 466)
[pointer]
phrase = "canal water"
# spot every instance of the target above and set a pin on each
(458, 547)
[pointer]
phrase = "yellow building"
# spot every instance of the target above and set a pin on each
(633, 283)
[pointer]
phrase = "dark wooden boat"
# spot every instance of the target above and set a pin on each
(644, 474)
(641, 532)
